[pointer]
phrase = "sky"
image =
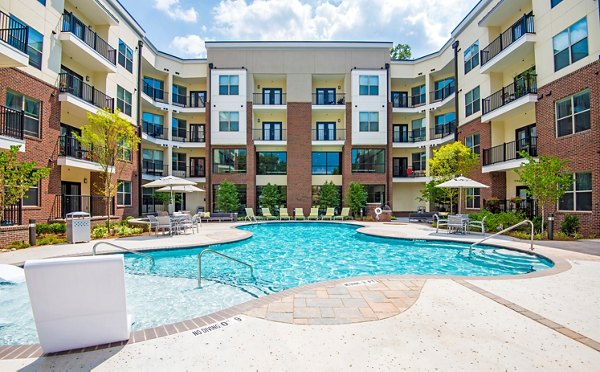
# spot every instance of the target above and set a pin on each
(181, 27)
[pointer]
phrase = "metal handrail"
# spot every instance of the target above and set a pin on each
(222, 255)
(502, 232)
(123, 248)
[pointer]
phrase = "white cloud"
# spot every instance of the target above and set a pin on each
(424, 24)
(191, 46)
(174, 10)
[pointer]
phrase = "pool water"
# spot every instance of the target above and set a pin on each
(283, 255)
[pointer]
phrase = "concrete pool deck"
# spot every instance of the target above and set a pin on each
(549, 321)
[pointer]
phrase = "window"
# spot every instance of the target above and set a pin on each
(124, 193)
(579, 196)
(368, 160)
(178, 162)
(418, 130)
(242, 195)
(125, 56)
(472, 103)
(271, 163)
(473, 196)
(419, 161)
(43, 2)
(229, 160)
(124, 100)
(571, 45)
(368, 85)
(375, 193)
(35, 43)
(472, 57)
(229, 85)
(443, 88)
(326, 163)
(178, 129)
(573, 114)
(155, 89)
(444, 124)
(229, 121)
(554, 3)
(369, 122)
(32, 197)
(472, 142)
(152, 162)
(31, 109)
(179, 95)
(417, 95)
(124, 150)
(152, 125)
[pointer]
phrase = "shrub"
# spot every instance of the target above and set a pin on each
(498, 221)
(18, 245)
(99, 232)
(53, 228)
(356, 198)
(123, 230)
(51, 239)
(570, 224)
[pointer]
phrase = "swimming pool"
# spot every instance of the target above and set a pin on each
(283, 255)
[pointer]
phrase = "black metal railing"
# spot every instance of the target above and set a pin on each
(158, 95)
(13, 215)
(268, 99)
(329, 99)
(415, 135)
(82, 31)
(189, 171)
(338, 134)
(69, 83)
(71, 147)
(194, 136)
(441, 131)
(269, 135)
(368, 167)
(523, 26)
(190, 100)
(92, 204)
(11, 122)
(520, 87)
(407, 172)
(442, 93)
(509, 151)
(13, 32)
(399, 99)
(527, 206)
(406, 101)
(154, 130)
(155, 168)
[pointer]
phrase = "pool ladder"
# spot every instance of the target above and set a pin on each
(502, 232)
(222, 255)
(123, 248)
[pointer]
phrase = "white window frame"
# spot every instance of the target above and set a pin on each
(570, 44)
(470, 55)
(474, 146)
(127, 62)
(371, 84)
(372, 122)
(472, 102)
(125, 106)
(121, 193)
(229, 121)
(574, 191)
(27, 116)
(229, 85)
(572, 114)
(471, 194)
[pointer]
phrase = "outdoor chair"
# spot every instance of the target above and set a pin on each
(250, 215)
(345, 214)
(283, 213)
(165, 223)
(329, 214)
(153, 224)
(299, 214)
(186, 222)
(314, 214)
(266, 212)
(478, 224)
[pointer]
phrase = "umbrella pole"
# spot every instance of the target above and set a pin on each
(459, 198)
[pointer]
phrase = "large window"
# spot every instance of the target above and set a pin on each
(154, 88)
(571, 45)
(124, 193)
(30, 108)
(375, 194)
(153, 125)
(473, 196)
(573, 114)
(369, 122)
(419, 162)
(124, 150)
(178, 129)
(125, 56)
(152, 162)
(271, 163)
(368, 160)
(229, 121)
(418, 129)
(579, 195)
(32, 197)
(418, 95)
(35, 43)
(229, 85)
(472, 102)
(369, 85)
(443, 88)
(124, 100)
(242, 195)
(472, 142)
(444, 123)
(326, 163)
(472, 57)
(229, 160)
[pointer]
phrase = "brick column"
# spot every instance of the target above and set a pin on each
(299, 155)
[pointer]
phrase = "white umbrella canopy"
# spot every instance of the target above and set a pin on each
(186, 188)
(461, 183)
(169, 182)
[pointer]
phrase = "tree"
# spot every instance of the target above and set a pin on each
(16, 177)
(356, 197)
(228, 199)
(400, 52)
(545, 179)
(270, 197)
(110, 140)
(329, 195)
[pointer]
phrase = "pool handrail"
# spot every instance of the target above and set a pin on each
(502, 232)
(222, 255)
(123, 248)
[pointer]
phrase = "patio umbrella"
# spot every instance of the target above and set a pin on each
(168, 183)
(461, 183)
(186, 188)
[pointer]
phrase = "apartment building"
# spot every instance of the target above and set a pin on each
(515, 75)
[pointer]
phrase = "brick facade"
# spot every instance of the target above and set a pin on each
(299, 155)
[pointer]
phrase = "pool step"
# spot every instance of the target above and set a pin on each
(501, 261)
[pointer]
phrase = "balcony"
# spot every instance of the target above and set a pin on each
(72, 153)
(81, 95)
(442, 133)
(13, 48)
(273, 137)
(407, 175)
(189, 138)
(11, 128)
(514, 98)
(513, 45)
(154, 169)
(189, 103)
(197, 172)
(92, 204)
(409, 137)
(402, 102)
(155, 94)
(443, 95)
(90, 50)
(154, 133)
(328, 136)
(329, 101)
(506, 156)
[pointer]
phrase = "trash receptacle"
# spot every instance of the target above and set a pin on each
(78, 227)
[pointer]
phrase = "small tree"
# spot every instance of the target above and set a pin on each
(545, 179)
(356, 197)
(270, 197)
(329, 195)
(228, 199)
(16, 177)
(400, 52)
(110, 140)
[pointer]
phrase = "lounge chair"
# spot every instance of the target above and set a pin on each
(314, 214)
(266, 212)
(299, 214)
(345, 214)
(329, 215)
(478, 224)
(283, 213)
(250, 215)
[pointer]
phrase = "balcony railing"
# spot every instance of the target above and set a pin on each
(69, 83)
(92, 204)
(191, 100)
(155, 168)
(520, 87)
(442, 93)
(268, 99)
(523, 26)
(415, 135)
(509, 151)
(441, 131)
(189, 171)
(156, 94)
(329, 99)
(408, 172)
(155, 131)
(269, 135)
(11, 122)
(193, 136)
(71, 147)
(405, 101)
(13, 32)
(338, 134)
(82, 31)
(13, 215)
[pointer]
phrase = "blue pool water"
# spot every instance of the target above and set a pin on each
(283, 255)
